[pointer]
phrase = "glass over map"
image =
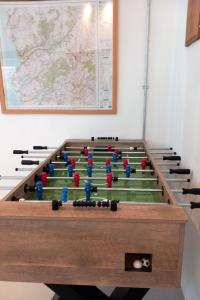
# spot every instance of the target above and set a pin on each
(57, 54)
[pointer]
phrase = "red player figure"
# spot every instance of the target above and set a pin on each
(110, 148)
(44, 179)
(76, 179)
(117, 152)
(109, 180)
(86, 151)
(125, 163)
(107, 162)
(143, 164)
(73, 163)
(90, 161)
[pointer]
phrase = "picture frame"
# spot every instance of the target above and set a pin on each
(16, 88)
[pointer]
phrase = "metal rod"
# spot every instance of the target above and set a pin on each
(102, 178)
(161, 149)
(103, 170)
(122, 148)
(98, 178)
(24, 169)
(165, 171)
(39, 152)
(34, 156)
(94, 162)
(119, 178)
(106, 189)
(106, 152)
(164, 152)
(146, 81)
(81, 169)
(177, 191)
(84, 157)
(123, 152)
(11, 177)
(177, 179)
(131, 148)
(168, 164)
(6, 188)
(117, 163)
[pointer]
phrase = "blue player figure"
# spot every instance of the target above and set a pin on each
(64, 195)
(128, 171)
(108, 169)
(90, 155)
(88, 191)
(70, 170)
(89, 171)
(39, 187)
(65, 156)
(51, 169)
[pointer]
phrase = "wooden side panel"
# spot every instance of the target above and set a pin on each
(88, 252)
(193, 22)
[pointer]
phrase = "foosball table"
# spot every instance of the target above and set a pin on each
(95, 212)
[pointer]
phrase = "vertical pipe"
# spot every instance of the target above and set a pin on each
(146, 80)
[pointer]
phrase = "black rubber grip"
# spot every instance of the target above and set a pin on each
(20, 151)
(172, 158)
(30, 162)
(179, 171)
(191, 191)
(40, 147)
(195, 205)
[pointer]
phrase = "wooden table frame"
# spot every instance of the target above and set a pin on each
(87, 247)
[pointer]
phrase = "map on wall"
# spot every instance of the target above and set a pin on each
(57, 55)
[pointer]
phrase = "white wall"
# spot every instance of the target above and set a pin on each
(173, 109)
(164, 33)
(23, 131)
(173, 112)
(127, 122)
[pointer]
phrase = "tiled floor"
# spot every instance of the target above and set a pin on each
(24, 291)
(33, 291)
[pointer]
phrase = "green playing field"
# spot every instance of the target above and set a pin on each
(99, 171)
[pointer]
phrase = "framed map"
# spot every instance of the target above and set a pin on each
(59, 56)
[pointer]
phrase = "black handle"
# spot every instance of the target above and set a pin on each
(179, 171)
(175, 157)
(20, 151)
(191, 191)
(30, 162)
(195, 205)
(40, 147)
